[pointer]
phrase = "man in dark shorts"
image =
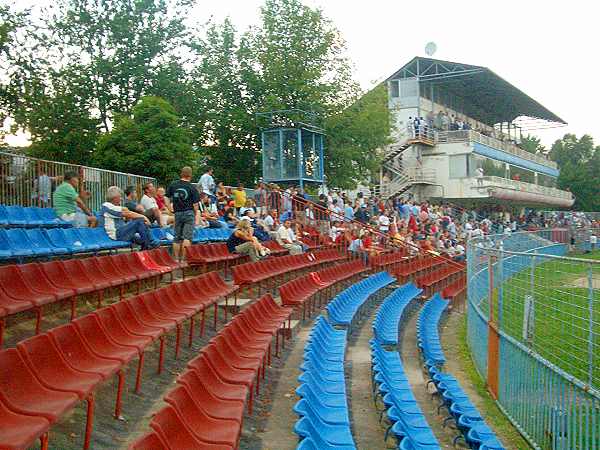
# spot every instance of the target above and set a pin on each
(184, 200)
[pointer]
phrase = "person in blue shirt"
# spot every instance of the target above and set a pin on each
(348, 212)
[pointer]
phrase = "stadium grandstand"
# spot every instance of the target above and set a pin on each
(274, 320)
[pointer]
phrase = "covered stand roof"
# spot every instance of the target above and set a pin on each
(487, 97)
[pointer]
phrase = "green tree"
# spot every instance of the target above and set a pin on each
(532, 144)
(579, 164)
(151, 141)
(354, 134)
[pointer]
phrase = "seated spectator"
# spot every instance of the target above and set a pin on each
(248, 206)
(270, 222)
(148, 202)
(459, 252)
(165, 207)
(222, 197)
(384, 223)
(121, 224)
(243, 242)
(131, 202)
(229, 215)
(69, 205)
(208, 212)
(287, 239)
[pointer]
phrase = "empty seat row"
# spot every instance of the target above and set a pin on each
(30, 217)
(31, 286)
(467, 418)
(431, 281)
(205, 410)
(20, 243)
(477, 434)
(412, 266)
(166, 235)
(46, 375)
(343, 307)
(456, 288)
(391, 386)
(249, 273)
(428, 324)
(307, 289)
(388, 261)
(387, 321)
(324, 418)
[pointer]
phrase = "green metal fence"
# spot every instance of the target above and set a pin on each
(546, 308)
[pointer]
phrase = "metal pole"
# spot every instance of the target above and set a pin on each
(591, 324)
(500, 284)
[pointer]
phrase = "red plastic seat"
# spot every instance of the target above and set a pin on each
(203, 393)
(97, 274)
(19, 431)
(172, 429)
(44, 359)
(207, 374)
(21, 391)
(77, 354)
(107, 265)
(36, 279)
(203, 426)
(57, 272)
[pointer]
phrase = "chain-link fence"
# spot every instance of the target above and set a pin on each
(544, 308)
(30, 181)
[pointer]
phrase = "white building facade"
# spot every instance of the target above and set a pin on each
(464, 145)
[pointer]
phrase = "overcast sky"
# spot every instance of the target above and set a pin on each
(548, 49)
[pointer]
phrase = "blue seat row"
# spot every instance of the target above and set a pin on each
(428, 338)
(30, 217)
(166, 235)
(324, 420)
(21, 243)
(343, 307)
(466, 416)
(391, 385)
(387, 320)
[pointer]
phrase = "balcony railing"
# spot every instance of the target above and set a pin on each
(523, 187)
(508, 147)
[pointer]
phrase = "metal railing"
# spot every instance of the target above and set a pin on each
(29, 181)
(534, 333)
(493, 181)
(505, 146)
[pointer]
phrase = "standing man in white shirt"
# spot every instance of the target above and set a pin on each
(384, 223)
(207, 184)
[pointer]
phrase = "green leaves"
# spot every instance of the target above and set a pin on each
(151, 142)
(76, 76)
(579, 163)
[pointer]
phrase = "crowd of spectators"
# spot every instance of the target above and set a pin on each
(269, 212)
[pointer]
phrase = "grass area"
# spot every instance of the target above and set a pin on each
(562, 323)
(493, 416)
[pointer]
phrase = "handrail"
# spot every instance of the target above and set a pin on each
(526, 187)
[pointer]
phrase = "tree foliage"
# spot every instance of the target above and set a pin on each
(579, 163)
(82, 67)
(532, 144)
(151, 142)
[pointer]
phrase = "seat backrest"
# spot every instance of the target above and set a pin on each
(16, 214)
(18, 238)
(171, 428)
(41, 354)
(16, 379)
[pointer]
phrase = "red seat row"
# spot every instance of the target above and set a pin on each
(46, 375)
(205, 255)
(32, 286)
(250, 273)
(303, 291)
(388, 260)
(275, 248)
(205, 410)
(456, 288)
(416, 264)
(431, 281)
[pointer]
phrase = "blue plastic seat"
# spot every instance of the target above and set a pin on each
(51, 219)
(97, 236)
(16, 216)
(19, 243)
(5, 248)
(309, 430)
(338, 435)
(3, 216)
(32, 218)
(76, 241)
(40, 240)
